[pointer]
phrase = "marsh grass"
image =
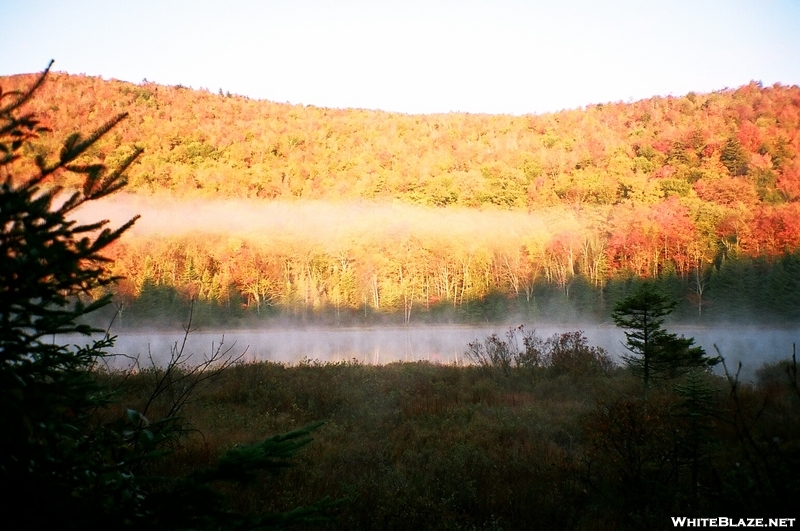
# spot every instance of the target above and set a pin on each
(426, 446)
(409, 444)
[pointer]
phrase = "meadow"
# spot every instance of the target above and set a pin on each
(565, 443)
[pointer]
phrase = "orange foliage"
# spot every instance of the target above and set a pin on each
(636, 187)
(198, 144)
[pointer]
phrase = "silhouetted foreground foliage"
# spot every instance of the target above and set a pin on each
(48, 265)
(565, 353)
(69, 456)
(654, 352)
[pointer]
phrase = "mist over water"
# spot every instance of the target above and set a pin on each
(751, 345)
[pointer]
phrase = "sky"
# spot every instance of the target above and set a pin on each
(431, 56)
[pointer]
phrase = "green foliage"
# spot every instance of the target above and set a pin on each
(655, 352)
(764, 181)
(742, 287)
(697, 407)
(679, 187)
(734, 157)
(193, 501)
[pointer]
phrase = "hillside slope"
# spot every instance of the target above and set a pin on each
(390, 212)
(723, 147)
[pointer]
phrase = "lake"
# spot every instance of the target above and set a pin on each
(438, 344)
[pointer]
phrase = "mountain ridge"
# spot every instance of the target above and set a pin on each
(200, 144)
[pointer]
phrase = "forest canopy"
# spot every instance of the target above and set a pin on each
(702, 188)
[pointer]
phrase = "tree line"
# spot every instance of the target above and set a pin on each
(423, 278)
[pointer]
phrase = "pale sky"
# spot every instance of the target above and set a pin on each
(498, 56)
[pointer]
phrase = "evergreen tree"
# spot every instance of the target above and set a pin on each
(734, 157)
(48, 269)
(653, 351)
(61, 466)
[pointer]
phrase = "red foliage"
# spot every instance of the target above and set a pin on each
(200, 145)
(777, 229)
(749, 136)
(789, 182)
(727, 191)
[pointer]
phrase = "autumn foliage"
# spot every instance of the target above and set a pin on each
(670, 186)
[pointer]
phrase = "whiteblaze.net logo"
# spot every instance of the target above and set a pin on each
(682, 521)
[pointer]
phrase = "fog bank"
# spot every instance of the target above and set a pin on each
(753, 346)
(315, 221)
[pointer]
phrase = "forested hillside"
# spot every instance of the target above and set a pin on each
(700, 191)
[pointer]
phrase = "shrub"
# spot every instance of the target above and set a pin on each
(565, 353)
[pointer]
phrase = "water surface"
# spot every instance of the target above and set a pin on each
(438, 344)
